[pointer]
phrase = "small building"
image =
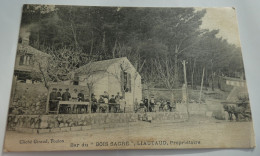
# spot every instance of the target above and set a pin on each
(28, 62)
(112, 76)
(27, 87)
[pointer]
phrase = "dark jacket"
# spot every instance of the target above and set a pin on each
(66, 96)
(53, 96)
(101, 100)
(81, 97)
(93, 99)
(59, 95)
(112, 100)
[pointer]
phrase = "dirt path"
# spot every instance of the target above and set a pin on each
(209, 132)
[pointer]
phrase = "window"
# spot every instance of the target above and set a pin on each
(129, 82)
(26, 59)
(76, 81)
(126, 81)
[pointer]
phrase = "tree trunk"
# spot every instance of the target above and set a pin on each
(201, 86)
(192, 75)
(114, 50)
(212, 75)
(74, 35)
(104, 43)
(185, 80)
(90, 98)
(92, 43)
(176, 76)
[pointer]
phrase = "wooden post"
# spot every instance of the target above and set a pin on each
(201, 86)
(186, 87)
(185, 79)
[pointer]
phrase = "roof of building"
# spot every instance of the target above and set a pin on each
(98, 65)
(233, 79)
(30, 50)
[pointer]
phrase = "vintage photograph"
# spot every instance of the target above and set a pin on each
(102, 78)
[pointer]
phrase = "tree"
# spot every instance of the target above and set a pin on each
(146, 36)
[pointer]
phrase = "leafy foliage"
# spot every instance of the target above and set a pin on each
(155, 40)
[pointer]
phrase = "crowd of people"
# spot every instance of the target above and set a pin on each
(105, 103)
(154, 105)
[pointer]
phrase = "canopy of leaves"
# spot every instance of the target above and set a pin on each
(155, 40)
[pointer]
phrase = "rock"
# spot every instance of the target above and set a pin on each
(61, 125)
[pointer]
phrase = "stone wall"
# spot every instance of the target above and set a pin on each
(77, 122)
(31, 99)
(28, 99)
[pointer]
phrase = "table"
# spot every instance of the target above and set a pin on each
(71, 103)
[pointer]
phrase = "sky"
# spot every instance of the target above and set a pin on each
(225, 20)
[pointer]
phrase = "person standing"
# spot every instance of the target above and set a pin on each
(146, 103)
(81, 99)
(93, 103)
(66, 97)
(117, 97)
(74, 95)
(74, 98)
(59, 97)
(122, 103)
(102, 105)
(53, 101)
(112, 102)
(152, 103)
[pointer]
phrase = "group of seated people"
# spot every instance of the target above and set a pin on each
(154, 105)
(103, 104)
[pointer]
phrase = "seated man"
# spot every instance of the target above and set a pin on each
(81, 96)
(165, 106)
(103, 105)
(101, 99)
(106, 100)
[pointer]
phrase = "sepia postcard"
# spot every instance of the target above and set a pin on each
(104, 78)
